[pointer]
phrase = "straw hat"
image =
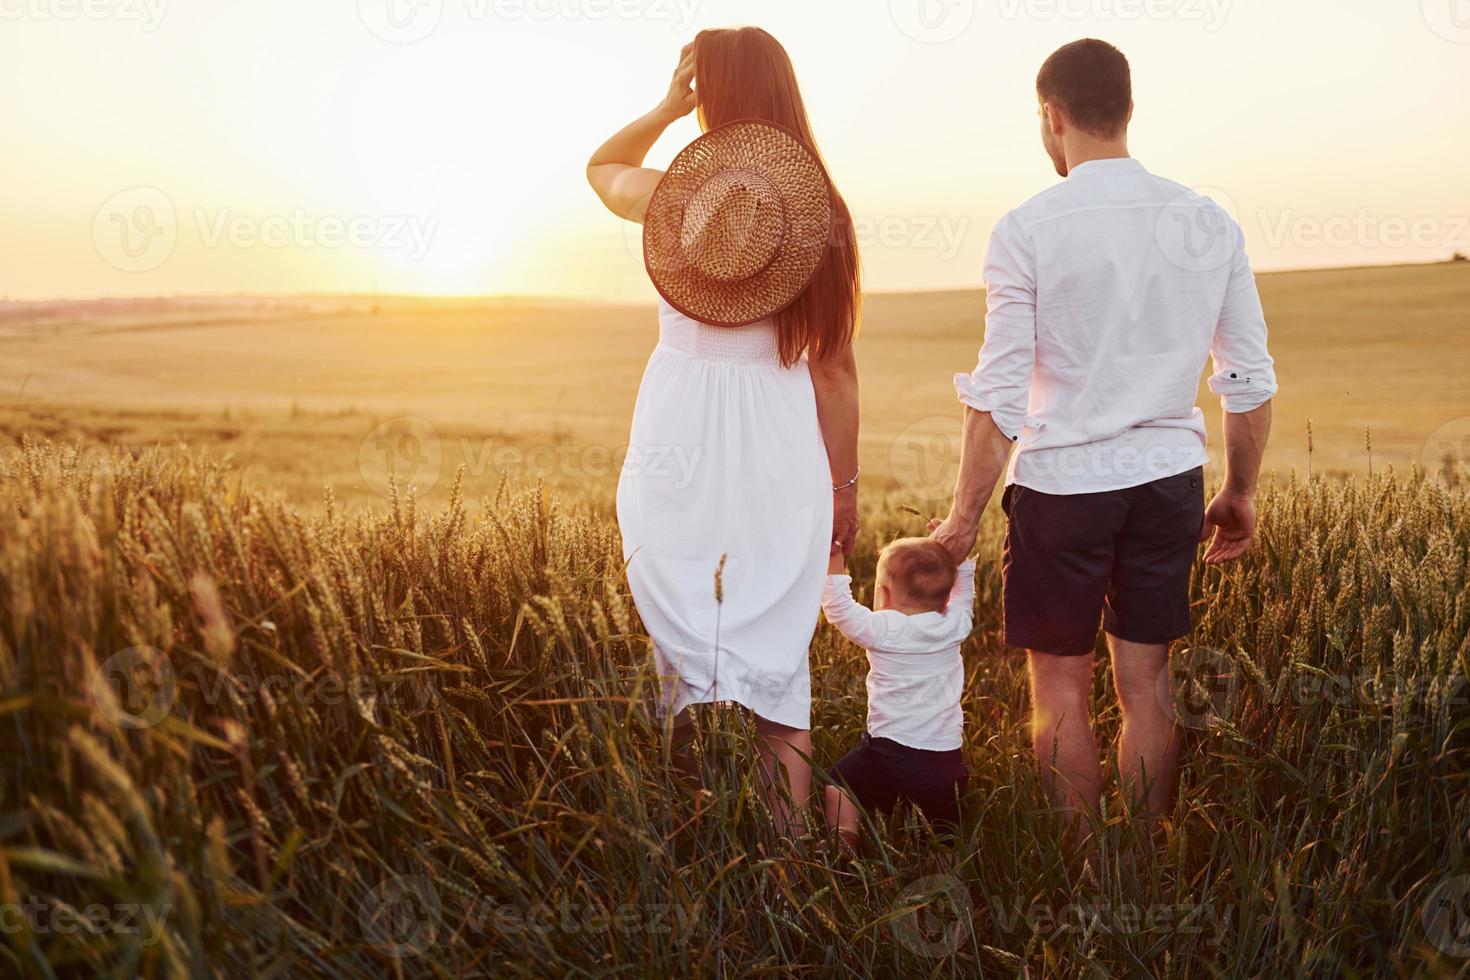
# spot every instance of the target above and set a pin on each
(737, 227)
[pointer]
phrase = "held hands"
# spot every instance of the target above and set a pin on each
(680, 101)
(954, 536)
(1231, 519)
(844, 521)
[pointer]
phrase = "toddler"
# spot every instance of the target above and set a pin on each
(923, 610)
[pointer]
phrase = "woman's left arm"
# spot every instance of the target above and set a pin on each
(616, 170)
(835, 379)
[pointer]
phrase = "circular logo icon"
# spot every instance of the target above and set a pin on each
(1199, 688)
(1450, 19)
(932, 21)
(136, 230)
(925, 457)
(933, 916)
(401, 21)
(1448, 447)
(1196, 230)
(401, 916)
(403, 451)
(1446, 917)
(632, 233)
(134, 688)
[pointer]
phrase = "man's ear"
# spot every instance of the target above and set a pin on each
(1055, 121)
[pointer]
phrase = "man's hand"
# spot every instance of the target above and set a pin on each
(1231, 519)
(955, 537)
(984, 450)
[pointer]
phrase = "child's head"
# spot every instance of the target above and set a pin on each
(914, 574)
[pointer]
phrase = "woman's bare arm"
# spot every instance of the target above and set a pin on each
(616, 170)
(835, 380)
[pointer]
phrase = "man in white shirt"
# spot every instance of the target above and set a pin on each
(1106, 294)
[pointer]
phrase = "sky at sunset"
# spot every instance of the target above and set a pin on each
(158, 147)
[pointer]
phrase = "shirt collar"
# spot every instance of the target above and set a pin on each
(1114, 165)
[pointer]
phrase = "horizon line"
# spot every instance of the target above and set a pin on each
(549, 299)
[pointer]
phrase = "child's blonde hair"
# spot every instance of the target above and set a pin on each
(921, 568)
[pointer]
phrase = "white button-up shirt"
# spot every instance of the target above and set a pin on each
(1105, 295)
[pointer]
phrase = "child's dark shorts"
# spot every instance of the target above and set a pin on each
(880, 772)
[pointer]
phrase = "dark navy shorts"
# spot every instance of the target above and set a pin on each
(1121, 556)
(880, 772)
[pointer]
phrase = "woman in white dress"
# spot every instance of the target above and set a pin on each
(743, 454)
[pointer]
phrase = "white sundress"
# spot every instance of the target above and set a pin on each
(726, 459)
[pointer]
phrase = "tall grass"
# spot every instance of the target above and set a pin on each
(415, 744)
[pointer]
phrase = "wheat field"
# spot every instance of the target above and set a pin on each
(317, 659)
(240, 740)
(302, 394)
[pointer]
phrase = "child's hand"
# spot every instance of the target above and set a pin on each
(836, 565)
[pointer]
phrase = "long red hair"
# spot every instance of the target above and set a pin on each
(745, 73)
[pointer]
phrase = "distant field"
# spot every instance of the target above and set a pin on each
(306, 397)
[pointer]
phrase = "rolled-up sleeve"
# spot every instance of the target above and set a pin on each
(1001, 382)
(1245, 375)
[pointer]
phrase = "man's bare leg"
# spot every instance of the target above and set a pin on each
(1148, 750)
(1061, 731)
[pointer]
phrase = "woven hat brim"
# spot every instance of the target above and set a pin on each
(806, 196)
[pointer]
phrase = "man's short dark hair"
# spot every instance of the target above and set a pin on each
(1091, 83)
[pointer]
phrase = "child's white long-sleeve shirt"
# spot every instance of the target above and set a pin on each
(915, 673)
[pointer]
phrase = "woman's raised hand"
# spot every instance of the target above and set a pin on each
(680, 100)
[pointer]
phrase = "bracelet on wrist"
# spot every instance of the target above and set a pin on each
(838, 488)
